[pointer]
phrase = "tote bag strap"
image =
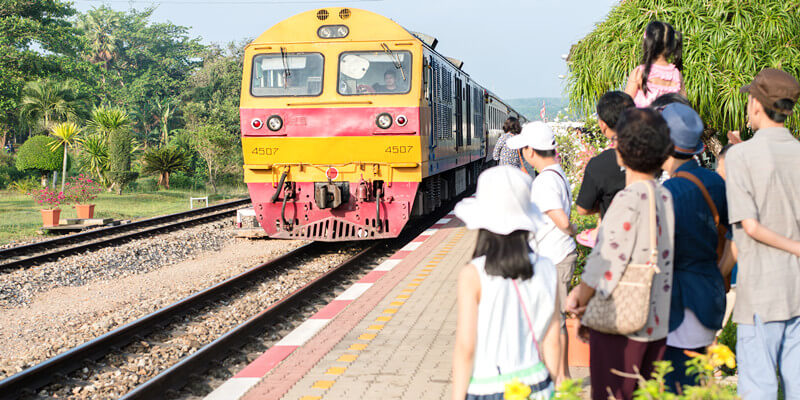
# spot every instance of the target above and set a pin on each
(653, 227)
(527, 318)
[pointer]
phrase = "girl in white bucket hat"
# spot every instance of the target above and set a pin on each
(508, 327)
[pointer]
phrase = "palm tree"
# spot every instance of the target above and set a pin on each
(164, 161)
(105, 120)
(94, 157)
(725, 44)
(166, 111)
(46, 101)
(99, 26)
(66, 135)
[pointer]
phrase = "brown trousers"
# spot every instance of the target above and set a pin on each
(622, 354)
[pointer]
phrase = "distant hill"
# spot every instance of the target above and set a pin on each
(531, 107)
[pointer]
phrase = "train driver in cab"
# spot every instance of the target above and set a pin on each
(389, 83)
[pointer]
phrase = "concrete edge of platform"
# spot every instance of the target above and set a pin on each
(254, 373)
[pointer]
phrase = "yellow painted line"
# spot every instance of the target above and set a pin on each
(418, 280)
(347, 358)
(409, 290)
(367, 336)
(413, 284)
(323, 384)
(390, 311)
(357, 346)
(423, 274)
(311, 398)
(383, 318)
(402, 296)
(397, 303)
(335, 370)
(375, 327)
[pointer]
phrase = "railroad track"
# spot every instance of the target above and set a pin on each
(48, 250)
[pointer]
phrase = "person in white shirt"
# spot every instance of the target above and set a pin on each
(552, 194)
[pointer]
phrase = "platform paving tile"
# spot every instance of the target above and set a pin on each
(409, 356)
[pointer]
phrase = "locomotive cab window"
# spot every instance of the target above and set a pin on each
(374, 72)
(287, 74)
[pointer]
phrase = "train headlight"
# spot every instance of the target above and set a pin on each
(384, 121)
(256, 123)
(333, 31)
(401, 120)
(274, 123)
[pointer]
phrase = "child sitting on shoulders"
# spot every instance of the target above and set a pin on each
(662, 62)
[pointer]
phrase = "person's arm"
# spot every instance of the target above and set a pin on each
(466, 330)
(578, 298)
(498, 146)
(553, 348)
(728, 259)
(583, 211)
(561, 220)
(759, 232)
(634, 82)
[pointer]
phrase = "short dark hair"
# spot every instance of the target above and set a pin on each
(545, 153)
(506, 255)
(390, 72)
(643, 139)
(611, 105)
(668, 98)
(783, 104)
(512, 125)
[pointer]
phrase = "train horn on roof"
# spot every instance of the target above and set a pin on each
(458, 63)
(427, 39)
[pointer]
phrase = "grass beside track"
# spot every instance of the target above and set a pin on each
(20, 217)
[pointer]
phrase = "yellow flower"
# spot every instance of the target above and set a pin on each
(721, 354)
(516, 390)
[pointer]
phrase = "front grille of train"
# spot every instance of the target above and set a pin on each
(331, 229)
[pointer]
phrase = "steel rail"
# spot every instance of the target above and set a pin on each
(92, 239)
(41, 374)
(198, 362)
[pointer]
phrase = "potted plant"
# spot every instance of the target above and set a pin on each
(80, 191)
(51, 200)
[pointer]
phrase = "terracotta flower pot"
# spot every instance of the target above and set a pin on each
(85, 211)
(578, 351)
(50, 217)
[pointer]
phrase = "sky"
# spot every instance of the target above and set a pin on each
(512, 47)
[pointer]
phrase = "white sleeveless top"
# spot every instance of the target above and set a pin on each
(504, 348)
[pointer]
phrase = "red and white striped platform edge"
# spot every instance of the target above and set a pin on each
(248, 377)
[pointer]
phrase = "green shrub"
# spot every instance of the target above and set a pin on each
(180, 180)
(25, 186)
(119, 159)
(8, 172)
(35, 154)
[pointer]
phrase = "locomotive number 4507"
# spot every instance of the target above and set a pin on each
(265, 151)
(398, 149)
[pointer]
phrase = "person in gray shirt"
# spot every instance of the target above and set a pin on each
(763, 191)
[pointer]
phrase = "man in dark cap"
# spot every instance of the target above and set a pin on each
(763, 190)
(698, 290)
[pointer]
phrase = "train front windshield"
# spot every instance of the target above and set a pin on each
(287, 74)
(374, 72)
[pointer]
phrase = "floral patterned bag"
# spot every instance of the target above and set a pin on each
(626, 309)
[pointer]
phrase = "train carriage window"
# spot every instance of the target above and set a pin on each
(374, 72)
(287, 74)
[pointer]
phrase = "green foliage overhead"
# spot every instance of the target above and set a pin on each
(36, 154)
(217, 148)
(726, 43)
(45, 102)
(28, 27)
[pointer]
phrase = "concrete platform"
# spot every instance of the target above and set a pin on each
(389, 336)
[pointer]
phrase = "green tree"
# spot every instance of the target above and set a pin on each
(94, 157)
(216, 147)
(213, 90)
(105, 120)
(65, 136)
(35, 154)
(164, 161)
(37, 40)
(45, 102)
(99, 27)
(725, 44)
(120, 148)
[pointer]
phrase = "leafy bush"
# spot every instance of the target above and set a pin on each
(119, 158)
(81, 190)
(48, 198)
(180, 180)
(25, 186)
(35, 154)
(164, 161)
(8, 172)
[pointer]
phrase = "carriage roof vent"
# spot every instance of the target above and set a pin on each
(427, 39)
(458, 63)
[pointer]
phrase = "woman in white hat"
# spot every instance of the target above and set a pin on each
(508, 327)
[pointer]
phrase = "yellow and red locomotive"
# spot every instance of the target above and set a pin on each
(351, 125)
